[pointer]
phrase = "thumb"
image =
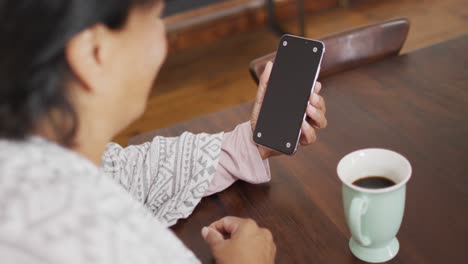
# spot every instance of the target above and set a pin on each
(266, 75)
(212, 236)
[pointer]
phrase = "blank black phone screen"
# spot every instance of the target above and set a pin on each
(289, 88)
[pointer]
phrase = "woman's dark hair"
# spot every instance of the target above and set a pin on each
(33, 67)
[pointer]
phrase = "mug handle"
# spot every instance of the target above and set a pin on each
(357, 210)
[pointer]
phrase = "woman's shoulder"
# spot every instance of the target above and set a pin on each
(38, 156)
(57, 207)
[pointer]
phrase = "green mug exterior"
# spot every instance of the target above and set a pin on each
(374, 216)
(374, 220)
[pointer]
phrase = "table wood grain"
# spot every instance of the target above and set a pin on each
(415, 104)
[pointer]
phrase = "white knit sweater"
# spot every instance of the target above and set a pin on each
(57, 207)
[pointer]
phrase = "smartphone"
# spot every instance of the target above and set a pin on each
(291, 83)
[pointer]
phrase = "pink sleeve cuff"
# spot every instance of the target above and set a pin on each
(239, 160)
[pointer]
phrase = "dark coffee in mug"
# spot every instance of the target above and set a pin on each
(374, 182)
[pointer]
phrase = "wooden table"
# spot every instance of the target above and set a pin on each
(415, 104)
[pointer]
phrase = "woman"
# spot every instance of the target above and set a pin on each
(73, 74)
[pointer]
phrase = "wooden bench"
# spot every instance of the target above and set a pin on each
(192, 24)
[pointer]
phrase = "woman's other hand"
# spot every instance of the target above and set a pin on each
(237, 240)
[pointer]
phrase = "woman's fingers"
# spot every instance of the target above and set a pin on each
(316, 110)
(309, 134)
(227, 225)
(212, 236)
(317, 116)
(318, 101)
(318, 87)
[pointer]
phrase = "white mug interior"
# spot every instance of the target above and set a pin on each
(374, 162)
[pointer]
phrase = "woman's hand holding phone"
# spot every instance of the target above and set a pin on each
(315, 120)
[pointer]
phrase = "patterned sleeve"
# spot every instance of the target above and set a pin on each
(168, 175)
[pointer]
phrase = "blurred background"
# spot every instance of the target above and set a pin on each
(212, 43)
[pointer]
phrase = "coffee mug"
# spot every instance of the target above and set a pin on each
(374, 216)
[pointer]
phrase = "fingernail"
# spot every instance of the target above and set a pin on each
(205, 231)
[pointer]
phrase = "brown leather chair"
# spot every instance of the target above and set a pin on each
(352, 48)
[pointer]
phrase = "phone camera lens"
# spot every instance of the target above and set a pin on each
(285, 43)
(315, 49)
